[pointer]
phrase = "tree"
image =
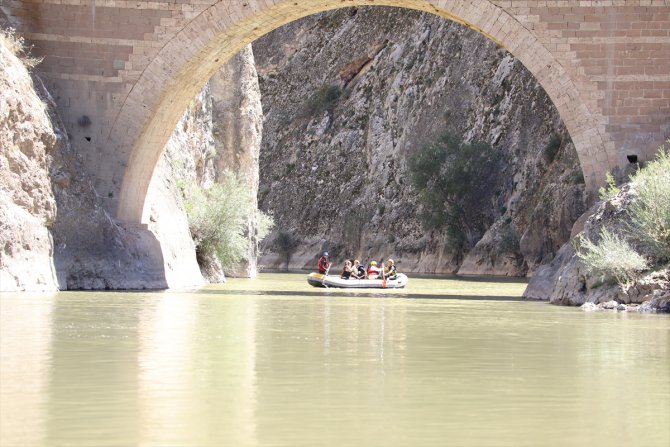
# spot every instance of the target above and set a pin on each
(456, 182)
(218, 219)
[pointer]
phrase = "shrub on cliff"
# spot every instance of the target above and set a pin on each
(324, 99)
(17, 45)
(611, 190)
(649, 211)
(611, 257)
(455, 181)
(650, 208)
(218, 219)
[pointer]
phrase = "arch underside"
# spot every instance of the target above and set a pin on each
(157, 101)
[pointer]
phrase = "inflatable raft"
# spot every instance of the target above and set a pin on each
(321, 280)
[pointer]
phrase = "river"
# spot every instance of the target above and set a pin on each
(275, 362)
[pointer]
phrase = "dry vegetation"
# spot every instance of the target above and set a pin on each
(17, 45)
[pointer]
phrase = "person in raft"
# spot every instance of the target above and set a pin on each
(322, 264)
(373, 270)
(347, 270)
(358, 271)
(390, 270)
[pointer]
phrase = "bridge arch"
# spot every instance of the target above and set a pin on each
(174, 76)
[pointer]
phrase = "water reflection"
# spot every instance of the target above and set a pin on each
(165, 356)
(321, 369)
(197, 372)
(226, 357)
(25, 361)
(214, 368)
(92, 392)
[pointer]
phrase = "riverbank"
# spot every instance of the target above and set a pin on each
(619, 252)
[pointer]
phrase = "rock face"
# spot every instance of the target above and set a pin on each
(351, 94)
(238, 129)
(566, 281)
(221, 131)
(27, 203)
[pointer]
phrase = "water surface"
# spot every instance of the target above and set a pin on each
(275, 362)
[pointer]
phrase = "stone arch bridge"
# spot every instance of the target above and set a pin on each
(123, 72)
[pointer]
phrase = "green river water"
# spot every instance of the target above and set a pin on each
(275, 362)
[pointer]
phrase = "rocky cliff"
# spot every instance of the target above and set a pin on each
(351, 94)
(55, 234)
(27, 203)
(237, 117)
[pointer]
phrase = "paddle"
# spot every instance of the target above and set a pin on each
(326, 274)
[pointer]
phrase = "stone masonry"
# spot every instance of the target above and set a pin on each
(123, 71)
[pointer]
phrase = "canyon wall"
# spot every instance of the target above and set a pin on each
(350, 95)
(27, 202)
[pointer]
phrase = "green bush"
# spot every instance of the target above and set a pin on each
(607, 193)
(455, 182)
(551, 149)
(649, 212)
(509, 240)
(611, 257)
(456, 239)
(218, 219)
(650, 209)
(324, 99)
